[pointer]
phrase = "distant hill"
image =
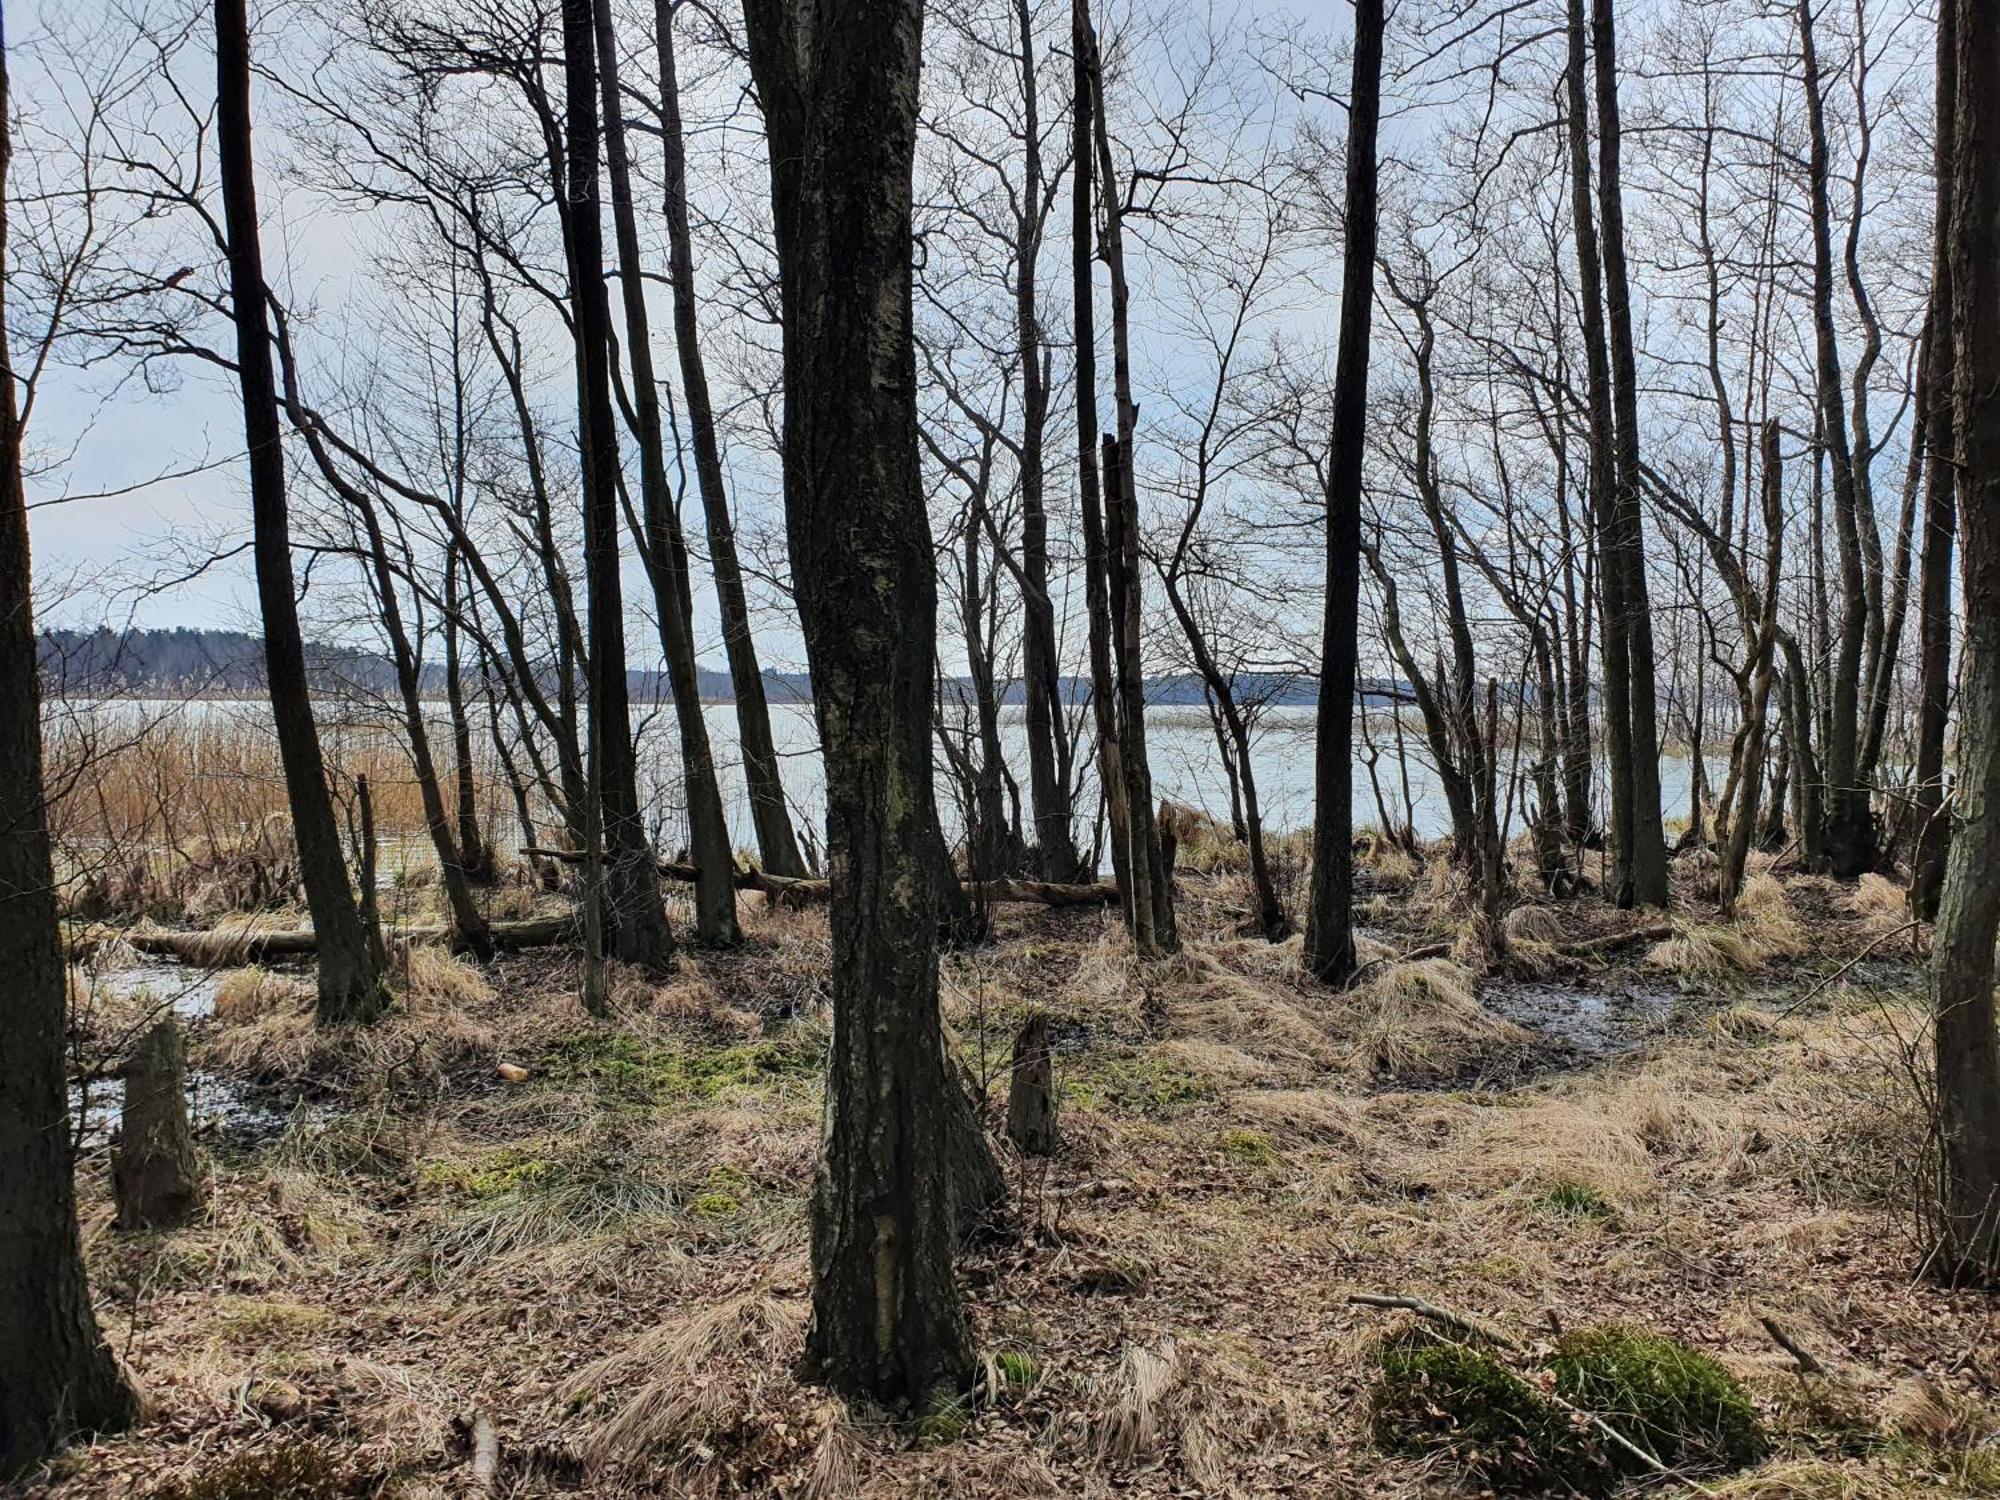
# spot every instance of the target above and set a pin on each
(223, 663)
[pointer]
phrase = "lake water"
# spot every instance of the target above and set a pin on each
(1186, 765)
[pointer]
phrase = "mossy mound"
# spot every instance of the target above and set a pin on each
(1672, 1401)
(1533, 1433)
(1436, 1396)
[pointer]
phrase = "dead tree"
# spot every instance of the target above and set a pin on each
(156, 1174)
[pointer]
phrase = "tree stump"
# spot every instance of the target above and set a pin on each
(1031, 1105)
(156, 1174)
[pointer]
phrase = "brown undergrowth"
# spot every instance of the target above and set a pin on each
(605, 1257)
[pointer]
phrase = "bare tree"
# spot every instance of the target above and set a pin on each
(1329, 944)
(903, 1166)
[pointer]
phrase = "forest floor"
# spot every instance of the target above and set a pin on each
(605, 1258)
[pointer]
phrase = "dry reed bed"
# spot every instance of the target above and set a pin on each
(608, 1259)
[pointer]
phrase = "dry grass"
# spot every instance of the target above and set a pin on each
(1422, 1021)
(245, 995)
(613, 1265)
(668, 1403)
(1765, 929)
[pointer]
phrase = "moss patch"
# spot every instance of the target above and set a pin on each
(1675, 1402)
(492, 1174)
(1574, 1200)
(1434, 1395)
(638, 1070)
(1145, 1083)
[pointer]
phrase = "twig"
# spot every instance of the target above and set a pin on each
(1432, 1314)
(1807, 1364)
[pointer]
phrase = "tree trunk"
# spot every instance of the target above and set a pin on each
(57, 1377)
(1154, 930)
(777, 844)
(1097, 602)
(1968, 1048)
(903, 1156)
(350, 981)
(1329, 939)
(1602, 441)
(1645, 856)
(635, 920)
(1048, 743)
(1031, 1106)
(1850, 825)
(665, 549)
(1927, 856)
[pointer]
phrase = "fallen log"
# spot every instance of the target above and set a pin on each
(991, 892)
(231, 948)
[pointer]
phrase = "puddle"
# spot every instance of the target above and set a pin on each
(1607, 1019)
(221, 1110)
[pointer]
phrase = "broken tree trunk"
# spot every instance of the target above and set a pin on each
(155, 1173)
(1031, 1105)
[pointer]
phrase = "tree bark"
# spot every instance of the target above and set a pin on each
(635, 921)
(350, 981)
(57, 1377)
(1968, 1047)
(903, 1158)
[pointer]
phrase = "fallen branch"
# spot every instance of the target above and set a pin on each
(485, 1454)
(1612, 942)
(1847, 968)
(212, 949)
(1439, 1315)
(1807, 1364)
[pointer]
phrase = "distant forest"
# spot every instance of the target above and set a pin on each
(139, 663)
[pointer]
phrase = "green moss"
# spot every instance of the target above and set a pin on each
(493, 1174)
(1675, 1402)
(1434, 1395)
(1574, 1200)
(296, 1471)
(715, 1206)
(1251, 1147)
(1134, 1083)
(641, 1070)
